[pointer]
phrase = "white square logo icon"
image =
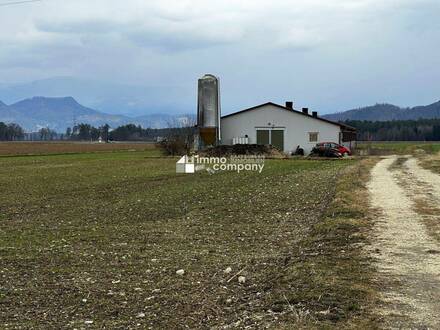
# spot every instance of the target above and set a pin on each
(185, 165)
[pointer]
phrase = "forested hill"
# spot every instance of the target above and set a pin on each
(397, 130)
(387, 112)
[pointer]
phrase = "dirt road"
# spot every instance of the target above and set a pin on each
(405, 246)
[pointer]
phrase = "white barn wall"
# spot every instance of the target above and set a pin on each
(296, 127)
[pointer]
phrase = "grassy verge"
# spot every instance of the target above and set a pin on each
(333, 275)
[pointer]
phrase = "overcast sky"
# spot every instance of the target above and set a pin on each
(326, 54)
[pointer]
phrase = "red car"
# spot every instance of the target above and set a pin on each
(344, 151)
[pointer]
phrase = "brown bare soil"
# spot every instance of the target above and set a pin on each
(45, 148)
(98, 240)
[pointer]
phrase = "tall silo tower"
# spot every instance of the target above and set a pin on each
(208, 110)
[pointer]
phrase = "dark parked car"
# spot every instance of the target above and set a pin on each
(330, 149)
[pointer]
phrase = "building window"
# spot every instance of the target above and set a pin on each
(313, 136)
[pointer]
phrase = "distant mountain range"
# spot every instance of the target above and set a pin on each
(387, 112)
(110, 97)
(58, 113)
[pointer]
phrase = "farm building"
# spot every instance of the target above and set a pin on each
(283, 127)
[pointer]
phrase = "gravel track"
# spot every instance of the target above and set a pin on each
(408, 258)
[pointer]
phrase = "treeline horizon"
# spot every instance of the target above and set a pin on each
(11, 132)
(86, 132)
(397, 130)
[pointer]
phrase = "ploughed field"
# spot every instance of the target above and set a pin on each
(95, 240)
(59, 147)
(396, 147)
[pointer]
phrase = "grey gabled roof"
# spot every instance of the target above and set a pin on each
(291, 110)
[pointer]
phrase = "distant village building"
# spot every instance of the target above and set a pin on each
(283, 127)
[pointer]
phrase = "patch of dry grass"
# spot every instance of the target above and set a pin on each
(431, 162)
(430, 213)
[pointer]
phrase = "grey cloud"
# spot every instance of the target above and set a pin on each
(173, 42)
(77, 27)
(327, 54)
(165, 35)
